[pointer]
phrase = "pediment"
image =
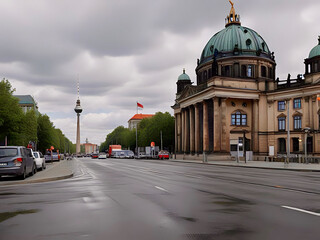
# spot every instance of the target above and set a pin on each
(188, 91)
(281, 115)
(297, 113)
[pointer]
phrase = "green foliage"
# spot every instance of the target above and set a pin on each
(21, 128)
(28, 128)
(120, 136)
(11, 114)
(148, 131)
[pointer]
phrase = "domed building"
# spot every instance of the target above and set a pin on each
(238, 105)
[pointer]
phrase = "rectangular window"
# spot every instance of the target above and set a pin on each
(236, 70)
(281, 145)
(297, 103)
(297, 122)
(250, 71)
(281, 105)
(233, 119)
(263, 71)
(244, 119)
(243, 70)
(295, 144)
(282, 123)
(227, 71)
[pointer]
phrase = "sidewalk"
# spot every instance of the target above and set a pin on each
(54, 171)
(311, 167)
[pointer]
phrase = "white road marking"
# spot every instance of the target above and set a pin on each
(301, 210)
(160, 188)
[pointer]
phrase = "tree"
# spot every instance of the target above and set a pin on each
(150, 130)
(10, 114)
(29, 127)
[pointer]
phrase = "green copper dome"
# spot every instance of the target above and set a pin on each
(315, 51)
(235, 40)
(184, 76)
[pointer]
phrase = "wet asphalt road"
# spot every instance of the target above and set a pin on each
(134, 199)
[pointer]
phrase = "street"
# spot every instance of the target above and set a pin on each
(152, 199)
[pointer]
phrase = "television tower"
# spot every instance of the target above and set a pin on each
(78, 110)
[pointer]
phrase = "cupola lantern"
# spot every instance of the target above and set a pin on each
(232, 18)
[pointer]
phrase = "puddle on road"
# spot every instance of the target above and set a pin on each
(7, 193)
(231, 201)
(189, 219)
(6, 215)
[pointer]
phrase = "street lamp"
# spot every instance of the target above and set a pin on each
(306, 131)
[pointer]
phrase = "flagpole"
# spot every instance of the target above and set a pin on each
(137, 152)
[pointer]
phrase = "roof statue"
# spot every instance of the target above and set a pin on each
(232, 8)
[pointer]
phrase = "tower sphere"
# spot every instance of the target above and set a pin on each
(78, 108)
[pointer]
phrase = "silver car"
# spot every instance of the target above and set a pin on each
(15, 160)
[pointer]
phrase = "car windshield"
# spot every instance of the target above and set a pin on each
(36, 155)
(8, 152)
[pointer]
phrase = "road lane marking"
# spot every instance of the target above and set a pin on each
(301, 210)
(160, 188)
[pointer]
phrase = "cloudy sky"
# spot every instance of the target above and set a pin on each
(124, 51)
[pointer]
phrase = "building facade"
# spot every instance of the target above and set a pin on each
(134, 121)
(26, 102)
(237, 99)
(90, 148)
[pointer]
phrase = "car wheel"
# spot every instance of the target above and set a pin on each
(23, 175)
(34, 170)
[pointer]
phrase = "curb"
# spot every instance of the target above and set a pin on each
(39, 180)
(227, 165)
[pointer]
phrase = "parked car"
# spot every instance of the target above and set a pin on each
(95, 155)
(39, 159)
(163, 154)
(55, 156)
(129, 154)
(16, 161)
(102, 156)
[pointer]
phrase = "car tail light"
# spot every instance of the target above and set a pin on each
(17, 162)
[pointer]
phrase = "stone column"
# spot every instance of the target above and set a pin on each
(187, 131)
(182, 131)
(306, 111)
(205, 127)
(179, 132)
(255, 127)
(176, 133)
(225, 139)
(312, 125)
(197, 129)
(192, 129)
(216, 126)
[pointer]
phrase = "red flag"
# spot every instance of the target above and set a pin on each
(139, 105)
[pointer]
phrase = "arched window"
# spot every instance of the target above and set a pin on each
(238, 119)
